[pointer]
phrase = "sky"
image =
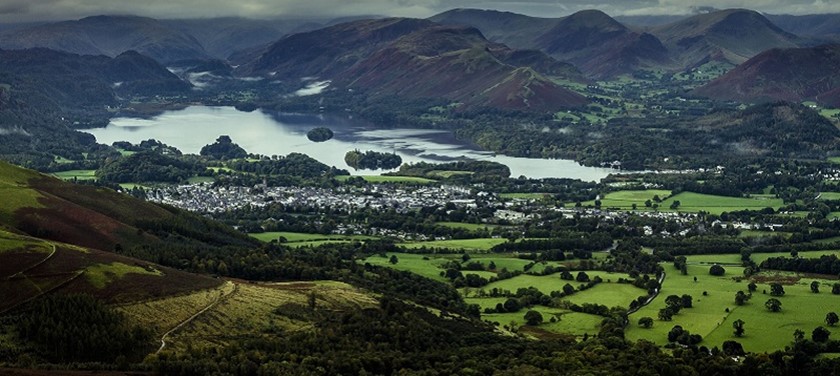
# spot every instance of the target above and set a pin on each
(40, 10)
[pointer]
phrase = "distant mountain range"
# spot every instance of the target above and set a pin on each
(791, 74)
(475, 57)
(603, 47)
(414, 58)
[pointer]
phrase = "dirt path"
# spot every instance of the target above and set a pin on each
(222, 296)
(18, 274)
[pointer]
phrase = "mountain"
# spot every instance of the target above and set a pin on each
(593, 41)
(73, 81)
(730, 36)
(821, 26)
(221, 37)
(110, 36)
(791, 74)
(601, 46)
(413, 58)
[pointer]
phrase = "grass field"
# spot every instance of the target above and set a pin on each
(626, 199)
(387, 179)
(294, 237)
(760, 257)
(726, 259)
(412, 263)
(695, 202)
(76, 174)
(481, 244)
(547, 284)
(689, 201)
(765, 331)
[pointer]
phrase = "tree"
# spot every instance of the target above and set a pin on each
(675, 333)
(815, 287)
(646, 322)
(738, 325)
(741, 298)
(533, 318)
(674, 303)
(666, 314)
(776, 289)
(820, 334)
(733, 348)
(798, 335)
(752, 287)
(582, 277)
(491, 266)
(511, 305)
(773, 304)
(393, 259)
(717, 270)
(675, 204)
(648, 203)
(466, 257)
(686, 301)
(831, 319)
(568, 289)
(835, 289)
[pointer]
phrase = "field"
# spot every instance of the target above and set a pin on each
(481, 244)
(76, 174)
(388, 179)
(301, 238)
(760, 257)
(626, 199)
(694, 202)
(765, 331)
(689, 201)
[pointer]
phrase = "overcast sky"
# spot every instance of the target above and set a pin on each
(34, 10)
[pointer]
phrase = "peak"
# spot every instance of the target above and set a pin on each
(593, 18)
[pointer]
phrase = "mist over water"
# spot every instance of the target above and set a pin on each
(283, 133)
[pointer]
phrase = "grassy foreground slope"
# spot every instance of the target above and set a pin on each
(93, 217)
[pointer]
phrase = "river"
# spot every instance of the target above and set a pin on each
(283, 133)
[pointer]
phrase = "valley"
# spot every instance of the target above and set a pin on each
(475, 192)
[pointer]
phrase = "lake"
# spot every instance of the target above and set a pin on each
(272, 133)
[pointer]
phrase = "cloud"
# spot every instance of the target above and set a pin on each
(31, 10)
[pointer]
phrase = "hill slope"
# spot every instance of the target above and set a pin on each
(413, 58)
(110, 36)
(731, 36)
(48, 208)
(793, 74)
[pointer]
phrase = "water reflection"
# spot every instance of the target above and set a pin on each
(282, 133)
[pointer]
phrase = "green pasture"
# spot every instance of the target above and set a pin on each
(695, 202)
(760, 257)
(689, 201)
(76, 174)
(294, 237)
(765, 331)
(415, 263)
(626, 199)
(480, 244)
(553, 282)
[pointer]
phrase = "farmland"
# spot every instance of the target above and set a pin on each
(765, 331)
(388, 179)
(689, 201)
